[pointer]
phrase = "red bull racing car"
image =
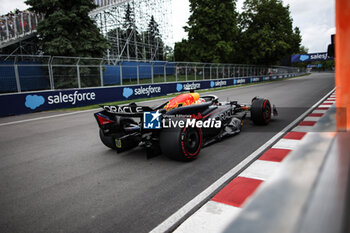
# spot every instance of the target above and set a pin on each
(180, 127)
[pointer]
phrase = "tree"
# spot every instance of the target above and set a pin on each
(212, 32)
(154, 40)
(303, 50)
(129, 18)
(267, 34)
(67, 29)
(131, 35)
(168, 53)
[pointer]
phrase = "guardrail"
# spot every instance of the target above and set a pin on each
(32, 73)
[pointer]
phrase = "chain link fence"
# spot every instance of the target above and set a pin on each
(19, 73)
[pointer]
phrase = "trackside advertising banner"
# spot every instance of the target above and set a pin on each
(310, 57)
(21, 103)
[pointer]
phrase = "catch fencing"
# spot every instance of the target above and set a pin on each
(22, 73)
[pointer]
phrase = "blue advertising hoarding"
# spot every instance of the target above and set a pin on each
(310, 57)
(22, 103)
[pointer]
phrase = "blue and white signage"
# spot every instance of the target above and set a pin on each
(151, 120)
(310, 57)
(21, 103)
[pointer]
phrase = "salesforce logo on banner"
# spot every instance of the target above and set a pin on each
(127, 92)
(34, 101)
(179, 87)
(212, 84)
(304, 57)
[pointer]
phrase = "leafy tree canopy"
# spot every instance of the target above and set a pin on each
(267, 33)
(212, 32)
(129, 18)
(262, 34)
(67, 30)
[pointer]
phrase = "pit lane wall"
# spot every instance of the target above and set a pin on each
(30, 102)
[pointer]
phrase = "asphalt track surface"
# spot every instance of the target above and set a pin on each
(56, 175)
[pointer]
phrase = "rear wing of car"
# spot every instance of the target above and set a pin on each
(131, 110)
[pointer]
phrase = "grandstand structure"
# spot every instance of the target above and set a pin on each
(127, 24)
(17, 29)
(136, 29)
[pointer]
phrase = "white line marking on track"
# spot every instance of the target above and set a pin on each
(46, 117)
(175, 219)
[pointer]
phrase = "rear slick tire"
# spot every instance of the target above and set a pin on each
(107, 140)
(182, 144)
(261, 111)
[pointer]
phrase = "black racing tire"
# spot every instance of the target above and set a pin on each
(109, 141)
(182, 144)
(261, 111)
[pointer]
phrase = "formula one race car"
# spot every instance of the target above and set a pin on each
(178, 128)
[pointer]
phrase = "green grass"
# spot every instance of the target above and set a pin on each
(165, 96)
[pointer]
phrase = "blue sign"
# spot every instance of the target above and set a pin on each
(179, 87)
(22, 103)
(314, 66)
(127, 92)
(151, 120)
(310, 57)
(34, 101)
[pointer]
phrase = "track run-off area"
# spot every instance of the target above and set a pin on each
(57, 176)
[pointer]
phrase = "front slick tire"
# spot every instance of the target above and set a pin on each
(182, 144)
(261, 111)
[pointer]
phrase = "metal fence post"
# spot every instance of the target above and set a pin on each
(78, 73)
(210, 76)
(101, 73)
(138, 72)
(195, 72)
(121, 73)
(152, 72)
(203, 72)
(18, 83)
(52, 84)
(165, 71)
(176, 72)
